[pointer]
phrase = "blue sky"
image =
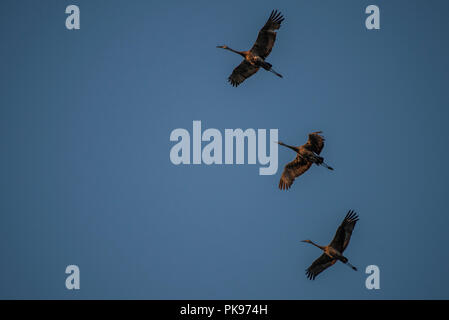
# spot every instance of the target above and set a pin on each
(86, 177)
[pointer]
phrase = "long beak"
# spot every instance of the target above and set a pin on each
(286, 145)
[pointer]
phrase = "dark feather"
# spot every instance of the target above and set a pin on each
(293, 170)
(243, 71)
(319, 265)
(344, 232)
(267, 35)
(315, 142)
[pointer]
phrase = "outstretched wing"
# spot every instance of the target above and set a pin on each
(293, 170)
(344, 231)
(315, 142)
(243, 71)
(267, 35)
(319, 265)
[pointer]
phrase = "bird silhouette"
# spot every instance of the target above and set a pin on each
(255, 58)
(334, 251)
(306, 155)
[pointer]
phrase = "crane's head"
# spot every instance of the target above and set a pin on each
(296, 149)
(223, 47)
(306, 241)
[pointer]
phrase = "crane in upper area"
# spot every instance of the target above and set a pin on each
(255, 58)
